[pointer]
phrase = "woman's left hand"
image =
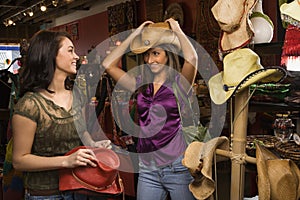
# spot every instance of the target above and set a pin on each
(174, 24)
(103, 144)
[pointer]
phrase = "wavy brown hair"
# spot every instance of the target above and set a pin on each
(40, 61)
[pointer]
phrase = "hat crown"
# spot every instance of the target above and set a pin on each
(228, 13)
(154, 35)
(102, 179)
(239, 64)
(292, 10)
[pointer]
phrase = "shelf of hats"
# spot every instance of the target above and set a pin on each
(280, 102)
(263, 99)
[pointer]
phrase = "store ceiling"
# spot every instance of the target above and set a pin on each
(18, 10)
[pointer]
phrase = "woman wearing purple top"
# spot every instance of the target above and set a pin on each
(161, 143)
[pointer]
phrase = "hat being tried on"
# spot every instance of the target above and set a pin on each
(154, 35)
(103, 179)
(241, 69)
(290, 12)
(233, 19)
(277, 178)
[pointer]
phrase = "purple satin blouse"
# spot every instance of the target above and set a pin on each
(160, 138)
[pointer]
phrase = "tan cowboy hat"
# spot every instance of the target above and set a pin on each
(241, 69)
(198, 158)
(154, 35)
(233, 19)
(291, 10)
(278, 179)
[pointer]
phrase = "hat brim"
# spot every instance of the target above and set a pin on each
(291, 9)
(203, 186)
(267, 75)
(69, 180)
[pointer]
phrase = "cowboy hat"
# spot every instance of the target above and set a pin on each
(154, 35)
(241, 69)
(102, 179)
(198, 158)
(277, 178)
(233, 19)
(290, 12)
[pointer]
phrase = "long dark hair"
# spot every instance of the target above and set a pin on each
(173, 62)
(40, 60)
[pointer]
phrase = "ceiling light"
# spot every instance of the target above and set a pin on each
(30, 13)
(43, 7)
(5, 23)
(10, 22)
(54, 3)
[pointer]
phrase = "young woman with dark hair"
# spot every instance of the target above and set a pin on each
(48, 119)
(161, 143)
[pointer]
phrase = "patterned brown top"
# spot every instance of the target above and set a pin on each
(57, 133)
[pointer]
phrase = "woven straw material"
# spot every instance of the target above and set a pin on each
(278, 178)
(233, 19)
(198, 158)
(242, 68)
(289, 150)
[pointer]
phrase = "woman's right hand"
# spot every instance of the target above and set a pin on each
(82, 157)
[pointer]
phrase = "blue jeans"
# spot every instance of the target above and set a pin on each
(66, 196)
(173, 179)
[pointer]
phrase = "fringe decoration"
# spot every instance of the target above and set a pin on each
(291, 46)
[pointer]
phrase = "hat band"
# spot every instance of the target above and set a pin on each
(89, 185)
(227, 87)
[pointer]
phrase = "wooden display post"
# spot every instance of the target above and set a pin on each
(238, 154)
(239, 140)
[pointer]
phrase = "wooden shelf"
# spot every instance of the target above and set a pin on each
(273, 48)
(271, 107)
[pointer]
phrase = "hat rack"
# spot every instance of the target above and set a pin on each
(238, 154)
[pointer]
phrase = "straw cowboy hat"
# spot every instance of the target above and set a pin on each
(233, 19)
(154, 35)
(198, 158)
(278, 179)
(291, 10)
(241, 69)
(102, 179)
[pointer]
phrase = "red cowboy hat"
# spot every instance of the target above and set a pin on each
(103, 179)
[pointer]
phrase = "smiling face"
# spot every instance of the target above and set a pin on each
(156, 58)
(66, 58)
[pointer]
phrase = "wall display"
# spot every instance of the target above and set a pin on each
(175, 11)
(208, 31)
(121, 17)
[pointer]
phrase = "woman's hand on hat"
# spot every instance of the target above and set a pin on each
(174, 24)
(82, 157)
(102, 143)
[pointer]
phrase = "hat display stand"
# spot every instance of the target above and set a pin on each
(238, 154)
(239, 140)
